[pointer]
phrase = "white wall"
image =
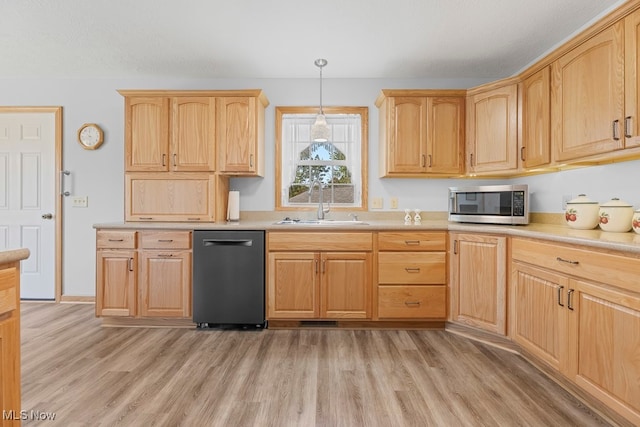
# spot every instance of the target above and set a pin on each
(99, 174)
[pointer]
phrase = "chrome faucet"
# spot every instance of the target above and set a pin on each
(321, 209)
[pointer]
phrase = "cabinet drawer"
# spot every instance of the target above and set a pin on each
(618, 270)
(165, 240)
(412, 268)
(115, 239)
(8, 297)
(411, 302)
(315, 241)
(415, 241)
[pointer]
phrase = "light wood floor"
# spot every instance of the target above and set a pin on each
(94, 376)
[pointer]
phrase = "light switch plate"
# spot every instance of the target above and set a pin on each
(376, 203)
(393, 203)
(80, 202)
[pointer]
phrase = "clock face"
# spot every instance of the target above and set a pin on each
(90, 136)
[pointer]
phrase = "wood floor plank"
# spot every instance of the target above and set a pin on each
(89, 375)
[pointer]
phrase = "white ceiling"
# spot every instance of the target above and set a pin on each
(282, 38)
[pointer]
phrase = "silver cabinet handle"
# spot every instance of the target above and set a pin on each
(471, 159)
(409, 303)
(560, 289)
(430, 160)
(423, 162)
(412, 242)
(316, 263)
(165, 240)
(165, 255)
(251, 160)
(412, 269)
(174, 160)
(62, 190)
(130, 262)
(627, 127)
(455, 247)
(116, 240)
(522, 154)
(164, 160)
(616, 130)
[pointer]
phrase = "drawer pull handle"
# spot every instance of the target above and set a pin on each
(412, 269)
(412, 242)
(130, 262)
(410, 303)
(627, 127)
(570, 299)
(193, 219)
(560, 289)
(116, 240)
(165, 240)
(165, 255)
(568, 261)
(146, 217)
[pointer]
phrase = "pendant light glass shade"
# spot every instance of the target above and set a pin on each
(320, 131)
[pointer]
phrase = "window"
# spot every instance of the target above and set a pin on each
(339, 165)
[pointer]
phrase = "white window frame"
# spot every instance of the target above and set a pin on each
(284, 166)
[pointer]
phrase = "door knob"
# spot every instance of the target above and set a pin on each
(47, 216)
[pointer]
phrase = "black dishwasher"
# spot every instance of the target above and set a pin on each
(228, 279)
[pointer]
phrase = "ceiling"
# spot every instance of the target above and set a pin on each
(282, 38)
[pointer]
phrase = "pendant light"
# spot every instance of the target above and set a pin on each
(320, 130)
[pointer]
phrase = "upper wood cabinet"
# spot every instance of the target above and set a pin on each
(535, 150)
(187, 131)
(632, 79)
(146, 134)
(183, 140)
(587, 97)
(492, 129)
(421, 132)
(241, 135)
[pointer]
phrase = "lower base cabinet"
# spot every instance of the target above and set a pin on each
(143, 273)
(478, 280)
(312, 283)
(578, 311)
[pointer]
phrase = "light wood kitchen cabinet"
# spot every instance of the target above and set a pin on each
(412, 276)
(588, 94)
(116, 273)
(536, 120)
(539, 315)
(578, 310)
(188, 196)
(478, 280)
(143, 273)
(421, 132)
(169, 133)
(632, 80)
(492, 128)
(10, 388)
(319, 275)
(241, 135)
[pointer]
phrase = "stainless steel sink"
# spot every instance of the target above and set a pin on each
(328, 222)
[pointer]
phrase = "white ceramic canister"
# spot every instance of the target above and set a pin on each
(582, 213)
(635, 221)
(615, 215)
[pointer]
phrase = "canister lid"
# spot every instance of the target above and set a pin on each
(616, 203)
(581, 200)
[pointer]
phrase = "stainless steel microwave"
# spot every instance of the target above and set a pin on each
(490, 204)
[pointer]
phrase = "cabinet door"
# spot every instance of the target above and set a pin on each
(606, 363)
(146, 134)
(172, 196)
(536, 117)
(478, 282)
(445, 142)
(632, 79)
(587, 94)
(346, 285)
(193, 134)
(237, 137)
(10, 372)
(116, 283)
(292, 285)
(165, 283)
(493, 130)
(407, 137)
(539, 307)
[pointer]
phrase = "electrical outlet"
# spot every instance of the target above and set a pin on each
(566, 198)
(393, 203)
(80, 202)
(376, 203)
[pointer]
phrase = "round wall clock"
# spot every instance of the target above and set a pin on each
(90, 136)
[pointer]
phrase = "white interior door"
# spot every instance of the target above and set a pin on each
(28, 198)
